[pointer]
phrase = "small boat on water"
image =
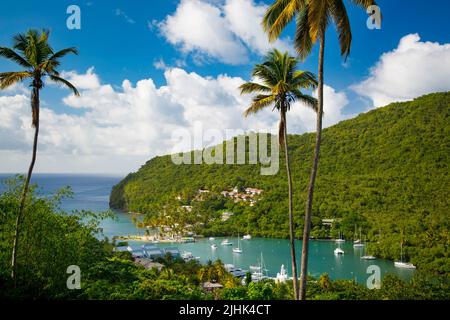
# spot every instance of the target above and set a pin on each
(404, 265)
(259, 272)
(358, 243)
(246, 237)
(236, 272)
(211, 239)
(226, 242)
(214, 246)
(340, 239)
(187, 256)
(366, 256)
(282, 276)
(401, 264)
(238, 249)
(338, 252)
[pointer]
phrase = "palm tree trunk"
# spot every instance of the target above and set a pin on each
(309, 200)
(35, 111)
(291, 216)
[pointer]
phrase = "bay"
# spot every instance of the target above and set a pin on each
(91, 192)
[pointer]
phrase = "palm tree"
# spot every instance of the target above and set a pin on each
(32, 52)
(280, 86)
(313, 18)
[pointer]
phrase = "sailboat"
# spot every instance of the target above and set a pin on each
(259, 272)
(213, 246)
(282, 276)
(238, 249)
(366, 256)
(226, 242)
(246, 237)
(340, 238)
(358, 243)
(401, 263)
(338, 251)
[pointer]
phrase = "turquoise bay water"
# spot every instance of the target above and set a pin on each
(92, 193)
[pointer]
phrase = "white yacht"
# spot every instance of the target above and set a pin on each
(282, 276)
(211, 239)
(358, 243)
(404, 265)
(226, 242)
(214, 246)
(246, 237)
(340, 238)
(338, 251)
(401, 264)
(238, 249)
(259, 272)
(366, 256)
(187, 256)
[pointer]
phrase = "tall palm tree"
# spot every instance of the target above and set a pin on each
(280, 86)
(312, 19)
(32, 52)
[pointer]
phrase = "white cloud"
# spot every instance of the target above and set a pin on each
(244, 18)
(160, 64)
(119, 129)
(87, 81)
(303, 118)
(412, 69)
(226, 32)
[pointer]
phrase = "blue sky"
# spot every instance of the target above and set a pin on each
(124, 39)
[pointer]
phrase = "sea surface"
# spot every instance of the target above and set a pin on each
(91, 192)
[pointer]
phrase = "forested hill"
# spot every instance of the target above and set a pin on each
(385, 170)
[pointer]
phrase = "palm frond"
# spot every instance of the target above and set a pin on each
(340, 18)
(266, 74)
(252, 87)
(7, 79)
(64, 82)
(309, 101)
(260, 102)
(318, 17)
(63, 52)
(304, 79)
(10, 54)
(364, 3)
(278, 16)
(303, 42)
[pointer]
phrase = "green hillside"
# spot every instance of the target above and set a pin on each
(385, 171)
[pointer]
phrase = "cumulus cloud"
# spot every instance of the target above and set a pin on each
(121, 128)
(87, 81)
(303, 119)
(215, 30)
(412, 69)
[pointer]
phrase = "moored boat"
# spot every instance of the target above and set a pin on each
(226, 242)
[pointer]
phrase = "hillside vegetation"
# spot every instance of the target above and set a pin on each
(385, 171)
